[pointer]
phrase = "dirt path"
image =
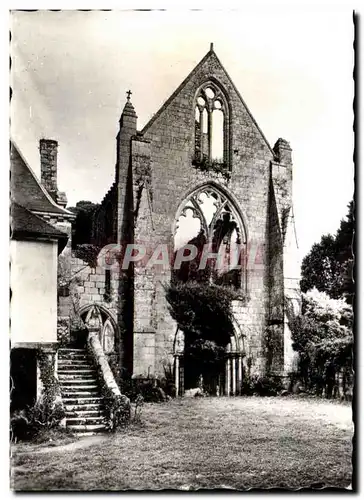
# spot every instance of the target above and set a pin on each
(79, 443)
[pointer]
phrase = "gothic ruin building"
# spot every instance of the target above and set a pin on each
(201, 160)
(202, 172)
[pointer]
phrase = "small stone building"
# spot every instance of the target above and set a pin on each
(200, 167)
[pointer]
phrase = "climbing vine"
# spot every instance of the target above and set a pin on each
(218, 167)
(273, 344)
(50, 409)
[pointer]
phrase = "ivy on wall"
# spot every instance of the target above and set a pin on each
(50, 406)
(218, 167)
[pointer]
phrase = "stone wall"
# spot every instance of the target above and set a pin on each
(89, 284)
(171, 137)
(154, 175)
(104, 230)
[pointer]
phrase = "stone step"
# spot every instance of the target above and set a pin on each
(87, 434)
(87, 428)
(83, 358)
(61, 352)
(62, 377)
(81, 420)
(69, 386)
(76, 371)
(80, 413)
(79, 382)
(75, 362)
(75, 368)
(82, 400)
(74, 357)
(72, 349)
(86, 407)
(76, 393)
(81, 395)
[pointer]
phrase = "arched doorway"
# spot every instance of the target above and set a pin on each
(210, 221)
(107, 325)
(220, 377)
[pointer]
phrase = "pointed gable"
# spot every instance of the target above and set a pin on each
(208, 69)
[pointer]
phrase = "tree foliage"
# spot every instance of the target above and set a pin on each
(320, 268)
(329, 265)
(88, 253)
(322, 336)
(203, 312)
(82, 226)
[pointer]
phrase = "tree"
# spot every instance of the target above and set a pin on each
(323, 337)
(82, 226)
(345, 251)
(320, 268)
(329, 265)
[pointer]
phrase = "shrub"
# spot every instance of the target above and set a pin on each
(268, 385)
(31, 422)
(216, 166)
(151, 390)
(138, 405)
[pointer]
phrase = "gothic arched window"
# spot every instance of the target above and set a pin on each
(211, 127)
(103, 322)
(208, 219)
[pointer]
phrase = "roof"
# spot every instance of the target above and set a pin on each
(210, 54)
(26, 190)
(25, 225)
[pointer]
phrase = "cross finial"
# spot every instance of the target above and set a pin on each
(128, 94)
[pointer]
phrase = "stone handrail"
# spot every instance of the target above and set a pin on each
(117, 404)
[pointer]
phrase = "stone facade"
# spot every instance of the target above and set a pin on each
(155, 173)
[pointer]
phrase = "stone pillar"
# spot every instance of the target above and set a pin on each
(233, 374)
(40, 386)
(176, 375)
(240, 373)
(56, 365)
(227, 377)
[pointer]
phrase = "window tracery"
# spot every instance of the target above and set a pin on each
(211, 127)
(209, 218)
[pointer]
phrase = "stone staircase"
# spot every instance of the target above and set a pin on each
(81, 393)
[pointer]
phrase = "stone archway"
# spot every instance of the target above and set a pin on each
(210, 218)
(229, 380)
(106, 324)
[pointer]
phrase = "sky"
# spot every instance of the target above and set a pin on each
(293, 67)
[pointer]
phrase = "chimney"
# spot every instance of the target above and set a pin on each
(48, 166)
(283, 152)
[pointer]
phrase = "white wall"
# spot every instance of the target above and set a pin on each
(33, 282)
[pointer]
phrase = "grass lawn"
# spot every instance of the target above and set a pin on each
(202, 443)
